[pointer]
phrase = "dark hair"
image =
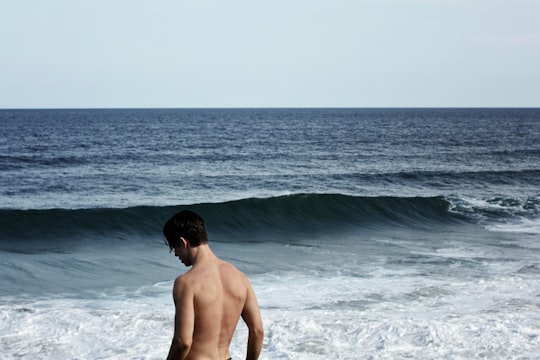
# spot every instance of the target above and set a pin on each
(188, 225)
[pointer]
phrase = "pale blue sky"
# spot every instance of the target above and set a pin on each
(273, 53)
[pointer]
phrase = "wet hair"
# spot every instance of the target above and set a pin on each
(188, 225)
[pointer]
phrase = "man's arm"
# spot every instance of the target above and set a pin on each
(184, 321)
(252, 317)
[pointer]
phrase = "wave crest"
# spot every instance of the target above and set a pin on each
(291, 214)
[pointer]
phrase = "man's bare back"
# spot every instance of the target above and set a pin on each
(209, 300)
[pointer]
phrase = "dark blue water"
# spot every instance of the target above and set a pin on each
(121, 158)
(395, 232)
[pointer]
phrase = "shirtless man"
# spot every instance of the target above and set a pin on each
(210, 298)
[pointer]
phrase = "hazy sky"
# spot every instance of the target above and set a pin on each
(269, 53)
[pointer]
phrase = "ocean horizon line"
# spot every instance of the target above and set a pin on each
(276, 108)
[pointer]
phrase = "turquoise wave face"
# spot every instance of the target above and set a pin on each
(291, 217)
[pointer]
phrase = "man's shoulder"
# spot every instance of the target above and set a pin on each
(228, 267)
(183, 280)
(182, 288)
(230, 275)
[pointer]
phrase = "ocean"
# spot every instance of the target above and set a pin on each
(366, 233)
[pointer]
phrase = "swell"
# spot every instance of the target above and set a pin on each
(292, 215)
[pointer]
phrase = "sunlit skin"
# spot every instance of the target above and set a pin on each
(209, 300)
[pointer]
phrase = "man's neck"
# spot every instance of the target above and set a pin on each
(202, 254)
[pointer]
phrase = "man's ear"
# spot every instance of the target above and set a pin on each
(184, 242)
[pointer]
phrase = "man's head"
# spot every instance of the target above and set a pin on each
(188, 225)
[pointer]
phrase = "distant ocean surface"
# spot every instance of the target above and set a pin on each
(366, 233)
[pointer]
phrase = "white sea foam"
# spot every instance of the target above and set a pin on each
(83, 329)
(523, 225)
(390, 316)
(385, 314)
